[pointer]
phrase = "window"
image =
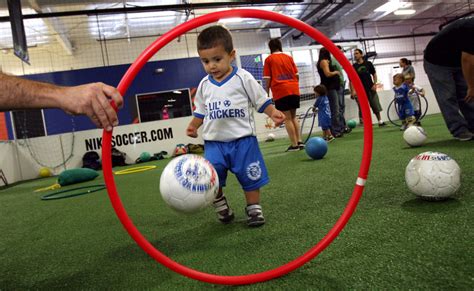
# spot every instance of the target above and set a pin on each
(164, 105)
(28, 123)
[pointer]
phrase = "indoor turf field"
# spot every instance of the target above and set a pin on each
(394, 241)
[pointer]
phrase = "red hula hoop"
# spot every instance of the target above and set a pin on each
(351, 205)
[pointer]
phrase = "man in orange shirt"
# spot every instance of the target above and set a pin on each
(281, 76)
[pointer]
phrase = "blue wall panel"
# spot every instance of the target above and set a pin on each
(253, 64)
(179, 73)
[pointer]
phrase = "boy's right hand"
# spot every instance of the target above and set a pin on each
(191, 131)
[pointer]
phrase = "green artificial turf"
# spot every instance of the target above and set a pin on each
(394, 241)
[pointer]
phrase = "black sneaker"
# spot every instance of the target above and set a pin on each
(382, 124)
(301, 145)
(329, 139)
(292, 149)
(254, 215)
(347, 130)
(464, 136)
(224, 213)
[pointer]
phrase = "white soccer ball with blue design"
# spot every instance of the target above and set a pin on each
(433, 176)
(189, 183)
(415, 136)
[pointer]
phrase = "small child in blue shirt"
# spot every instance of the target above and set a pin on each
(404, 106)
(321, 106)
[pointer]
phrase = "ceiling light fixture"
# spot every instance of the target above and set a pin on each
(392, 5)
(404, 12)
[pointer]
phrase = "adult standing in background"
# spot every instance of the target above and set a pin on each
(330, 78)
(368, 76)
(91, 99)
(281, 76)
(340, 93)
(408, 71)
(449, 64)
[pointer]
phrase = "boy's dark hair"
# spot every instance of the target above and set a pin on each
(214, 36)
(399, 76)
(321, 90)
(275, 45)
(359, 50)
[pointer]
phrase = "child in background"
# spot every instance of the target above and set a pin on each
(321, 106)
(404, 106)
(414, 94)
(224, 102)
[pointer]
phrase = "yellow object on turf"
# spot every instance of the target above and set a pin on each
(134, 170)
(52, 187)
(44, 172)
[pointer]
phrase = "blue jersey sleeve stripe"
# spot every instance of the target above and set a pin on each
(198, 115)
(265, 105)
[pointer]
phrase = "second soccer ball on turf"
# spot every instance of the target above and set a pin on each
(189, 183)
(415, 136)
(433, 176)
(270, 137)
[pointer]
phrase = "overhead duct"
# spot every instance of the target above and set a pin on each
(325, 16)
(308, 16)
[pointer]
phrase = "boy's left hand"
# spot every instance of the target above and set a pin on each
(278, 117)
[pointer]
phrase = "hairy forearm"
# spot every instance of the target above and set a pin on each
(196, 122)
(17, 93)
(269, 110)
(467, 63)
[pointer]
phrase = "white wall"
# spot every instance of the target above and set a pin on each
(18, 163)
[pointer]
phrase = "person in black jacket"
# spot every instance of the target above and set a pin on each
(449, 64)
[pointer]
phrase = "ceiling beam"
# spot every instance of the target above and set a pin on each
(138, 9)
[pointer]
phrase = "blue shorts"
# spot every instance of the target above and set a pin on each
(405, 109)
(242, 157)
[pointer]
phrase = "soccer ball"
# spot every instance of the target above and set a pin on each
(414, 136)
(433, 176)
(189, 183)
(270, 137)
(181, 149)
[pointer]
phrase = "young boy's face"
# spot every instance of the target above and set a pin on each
(217, 62)
(397, 81)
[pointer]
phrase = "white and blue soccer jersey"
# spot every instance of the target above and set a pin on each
(226, 106)
(405, 108)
